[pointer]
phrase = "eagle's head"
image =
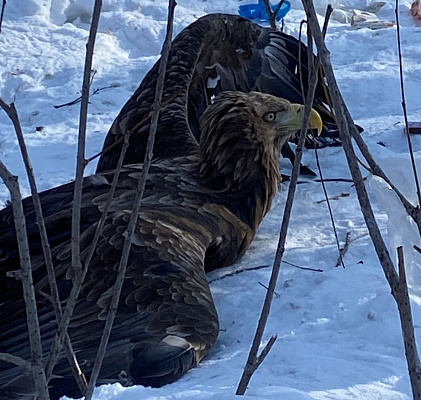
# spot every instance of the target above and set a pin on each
(241, 139)
(243, 133)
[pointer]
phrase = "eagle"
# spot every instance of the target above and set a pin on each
(214, 176)
(218, 52)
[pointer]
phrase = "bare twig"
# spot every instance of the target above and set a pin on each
(400, 292)
(343, 250)
(337, 197)
(240, 271)
(54, 298)
(374, 168)
(327, 180)
(81, 162)
(6, 357)
(332, 220)
(329, 11)
(300, 47)
(417, 248)
(310, 52)
(253, 360)
(272, 17)
(136, 206)
(342, 121)
(345, 122)
(71, 301)
(266, 350)
(303, 268)
(405, 115)
(77, 198)
(272, 14)
(40, 381)
(2, 13)
(79, 99)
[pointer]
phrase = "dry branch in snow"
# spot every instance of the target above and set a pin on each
(405, 116)
(54, 295)
(346, 125)
(25, 275)
(136, 206)
(255, 360)
(77, 198)
(400, 293)
(2, 13)
(272, 14)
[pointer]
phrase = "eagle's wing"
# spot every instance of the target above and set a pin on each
(166, 320)
(216, 53)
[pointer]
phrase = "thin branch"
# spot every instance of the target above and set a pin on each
(397, 283)
(79, 99)
(240, 271)
(405, 115)
(81, 162)
(136, 206)
(77, 197)
(404, 305)
(417, 248)
(272, 14)
(329, 207)
(6, 357)
(337, 197)
(54, 298)
(2, 13)
(303, 268)
(252, 361)
(343, 250)
(374, 168)
(266, 350)
(78, 280)
(300, 42)
(342, 122)
(40, 381)
(329, 11)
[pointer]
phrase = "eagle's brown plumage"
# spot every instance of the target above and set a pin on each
(218, 52)
(200, 211)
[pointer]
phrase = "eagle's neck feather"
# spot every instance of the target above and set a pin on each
(232, 162)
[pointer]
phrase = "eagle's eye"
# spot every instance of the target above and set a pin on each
(270, 117)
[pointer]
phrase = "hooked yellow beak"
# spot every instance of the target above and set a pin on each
(315, 122)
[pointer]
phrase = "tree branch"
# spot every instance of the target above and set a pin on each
(343, 250)
(54, 298)
(351, 157)
(136, 206)
(345, 122)
(401, 295)
(6, 357)
(2, 13)
(40, 381)
(272, 14)
(77, 197)
(405, 115)
(252, 361)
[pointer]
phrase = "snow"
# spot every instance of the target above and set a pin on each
(338, 330)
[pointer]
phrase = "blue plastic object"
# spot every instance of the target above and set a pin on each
(258, 11)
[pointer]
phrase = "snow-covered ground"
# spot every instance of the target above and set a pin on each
(338, 330)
